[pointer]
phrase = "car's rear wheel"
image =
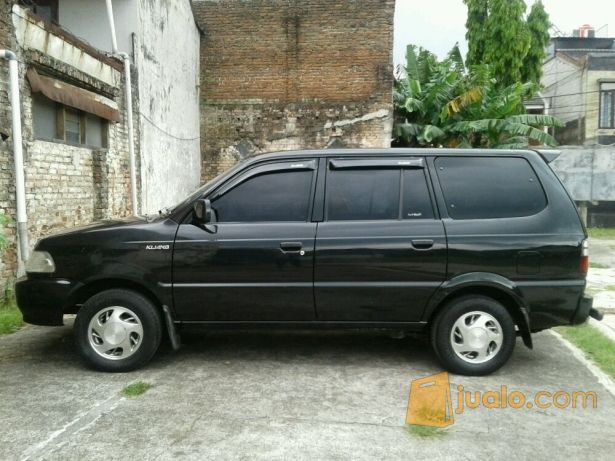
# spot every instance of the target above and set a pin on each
(473, 335)
(118, 330)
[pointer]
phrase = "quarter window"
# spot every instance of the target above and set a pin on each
(416, 202)
(363, 194)
(489, 187)
(278, 196)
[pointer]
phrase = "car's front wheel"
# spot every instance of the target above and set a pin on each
(118, 330)
(473, 335)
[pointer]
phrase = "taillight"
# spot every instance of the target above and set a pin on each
(584, 257)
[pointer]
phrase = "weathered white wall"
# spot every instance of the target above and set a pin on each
(88, 19)
(166, 43)
(167, 59)
(563, 88)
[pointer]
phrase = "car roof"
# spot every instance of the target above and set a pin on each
(392, 152)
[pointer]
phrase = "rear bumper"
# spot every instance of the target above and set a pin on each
(584, 308)
(42, 301)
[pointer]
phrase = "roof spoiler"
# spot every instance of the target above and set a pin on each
(548, 155)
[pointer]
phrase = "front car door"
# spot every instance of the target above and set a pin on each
(254, 262)
(381, 249)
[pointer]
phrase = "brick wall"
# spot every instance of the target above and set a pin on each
(280, 74)
(66, 185)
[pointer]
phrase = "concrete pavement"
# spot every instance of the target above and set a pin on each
(282, 395)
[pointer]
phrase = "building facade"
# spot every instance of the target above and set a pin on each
(279, 75)
(579, 86)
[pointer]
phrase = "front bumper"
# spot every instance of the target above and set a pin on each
(42, 301)
(584, 309)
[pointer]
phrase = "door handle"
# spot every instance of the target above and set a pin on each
(422, 244)
(291, 247)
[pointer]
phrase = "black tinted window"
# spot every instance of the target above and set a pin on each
(482, 188)
(416, 202)
(277, 196)
(362, 194)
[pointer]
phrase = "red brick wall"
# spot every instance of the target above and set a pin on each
(274, 73)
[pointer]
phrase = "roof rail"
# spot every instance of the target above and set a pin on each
(548, 155)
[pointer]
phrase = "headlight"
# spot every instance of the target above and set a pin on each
(40, 261)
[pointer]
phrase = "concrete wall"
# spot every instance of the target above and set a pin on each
(88, 19)
(167, 58)
(279, 74)
(588, 172)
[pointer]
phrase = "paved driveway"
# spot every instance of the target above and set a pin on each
(280, 396)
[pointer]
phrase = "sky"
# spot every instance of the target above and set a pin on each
(438, 24)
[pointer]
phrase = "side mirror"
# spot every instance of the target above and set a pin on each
(202, 211)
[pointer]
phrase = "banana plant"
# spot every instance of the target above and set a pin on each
(444, 103)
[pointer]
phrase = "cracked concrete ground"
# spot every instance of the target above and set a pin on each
(282, 395)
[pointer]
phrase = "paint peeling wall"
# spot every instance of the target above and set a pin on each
(167, 58)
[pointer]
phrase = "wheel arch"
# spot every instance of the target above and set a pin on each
(86, 291)
(491, 285)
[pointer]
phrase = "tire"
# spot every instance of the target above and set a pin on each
(473, 335)
(118, 330)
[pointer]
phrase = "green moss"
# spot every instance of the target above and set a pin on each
(10, 317)
(136, 389)
(426, 432)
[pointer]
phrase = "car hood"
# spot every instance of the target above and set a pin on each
(101, 225)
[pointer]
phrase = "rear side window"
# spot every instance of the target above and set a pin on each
(489, 187)
(279, 196)
(362, 194)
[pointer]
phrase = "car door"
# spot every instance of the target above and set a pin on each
(381, 249)
(254, 262)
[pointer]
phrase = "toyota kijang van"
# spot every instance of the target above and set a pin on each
(471, 247)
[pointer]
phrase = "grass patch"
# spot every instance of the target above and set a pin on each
(136, 389)
(598, 347)
(598, 265)
(601, 232)
(10, 317)
(610, 288)
(426, 432)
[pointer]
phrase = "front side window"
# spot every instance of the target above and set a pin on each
(282, 196)
(363, 194)
(489, 187)
(607, 105)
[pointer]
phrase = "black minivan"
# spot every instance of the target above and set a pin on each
(473, 247)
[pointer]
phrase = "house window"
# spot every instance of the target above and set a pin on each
(56, 122)
(46, 9)
(607, 105)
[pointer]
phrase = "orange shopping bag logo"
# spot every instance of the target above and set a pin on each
(430, 403)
